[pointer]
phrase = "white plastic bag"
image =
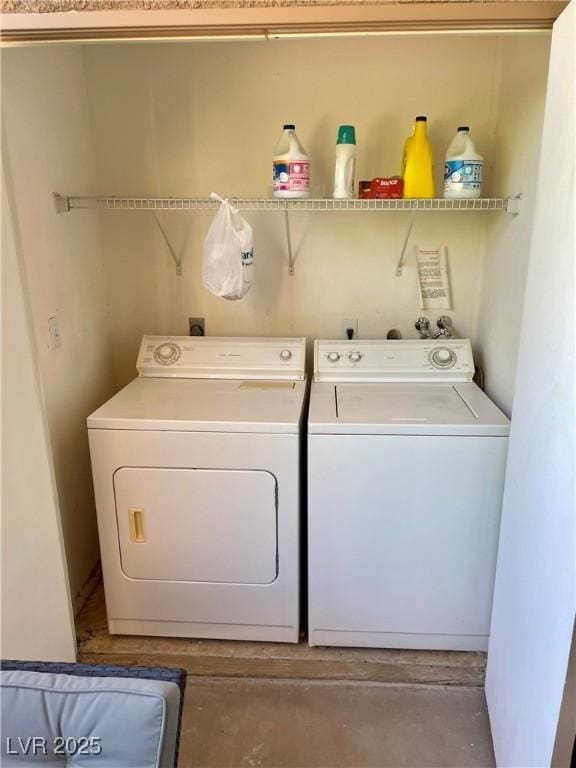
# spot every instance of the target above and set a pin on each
(228, 253)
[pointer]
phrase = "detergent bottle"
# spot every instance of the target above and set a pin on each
(291, 166)
(463, 168)
(418, 163)
(345, 162)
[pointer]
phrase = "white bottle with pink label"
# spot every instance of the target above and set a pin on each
(291, 166)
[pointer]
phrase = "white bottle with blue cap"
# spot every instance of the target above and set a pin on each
(463, 169)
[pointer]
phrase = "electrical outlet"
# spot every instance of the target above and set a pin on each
(54, 332)
(196, 326)
(348, 324)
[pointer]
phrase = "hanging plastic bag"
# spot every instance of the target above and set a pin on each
(228, 253)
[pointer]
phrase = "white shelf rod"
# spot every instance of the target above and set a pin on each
(177, 259)
(65, 203)
(405, 243)
(291, 270)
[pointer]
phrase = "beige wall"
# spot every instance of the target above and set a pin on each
(187, 119)
(535, 592)
(48, 143)
(520, 114)
(36, 608)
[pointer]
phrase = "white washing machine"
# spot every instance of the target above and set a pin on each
(196, 475)
(406, 473)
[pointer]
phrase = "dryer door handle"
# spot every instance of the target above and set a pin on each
(137, 532)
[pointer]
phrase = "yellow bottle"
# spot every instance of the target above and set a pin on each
(418, 163)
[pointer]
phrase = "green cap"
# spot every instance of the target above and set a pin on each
(346, 135)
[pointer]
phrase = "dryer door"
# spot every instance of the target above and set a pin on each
(198, 525)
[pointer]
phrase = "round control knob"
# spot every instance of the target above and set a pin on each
(285, 354)
(354, 357)
(167, 354)
(333, 357)
(442, 357)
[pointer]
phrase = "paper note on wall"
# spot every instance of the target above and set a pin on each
(433, 278)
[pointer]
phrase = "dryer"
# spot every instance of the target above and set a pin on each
(406, 474)
(196, 477)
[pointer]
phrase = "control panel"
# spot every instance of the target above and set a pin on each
(440, 360)
(206, 357)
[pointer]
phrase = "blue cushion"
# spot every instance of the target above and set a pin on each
(79, 720)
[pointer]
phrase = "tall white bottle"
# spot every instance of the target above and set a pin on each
(291, 166)
(463, 169)
(345, 163)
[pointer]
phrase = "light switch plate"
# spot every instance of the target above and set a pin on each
(54, 332)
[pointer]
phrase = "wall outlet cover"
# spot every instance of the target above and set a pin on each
(348, 323)
(196, 326)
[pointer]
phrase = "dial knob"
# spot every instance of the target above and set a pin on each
(286, 354)
(333, 357)
(442, 357)
(167, 354)
(354, 357)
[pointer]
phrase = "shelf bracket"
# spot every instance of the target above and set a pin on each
(291, 270)
(177, 260)
(404, 245)
(61, 203)
(513, 205)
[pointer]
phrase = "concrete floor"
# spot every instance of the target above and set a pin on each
(276, 705)
(232, 723)
(232, 658)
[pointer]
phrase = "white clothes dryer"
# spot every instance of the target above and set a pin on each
(406, 473)
(196, 476)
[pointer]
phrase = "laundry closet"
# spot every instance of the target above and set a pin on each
(143, 121)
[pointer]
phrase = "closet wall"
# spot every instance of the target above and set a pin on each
(47, 147)
(516, 154)
(36, 623)
(188, 119)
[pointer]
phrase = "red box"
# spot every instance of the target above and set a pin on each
(392, 187)
(364, 189)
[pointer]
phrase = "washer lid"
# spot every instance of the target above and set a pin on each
(204, 405)
(418, 403)
(404, 409)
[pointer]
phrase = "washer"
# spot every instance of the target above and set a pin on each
(196, 476)
(406, 475)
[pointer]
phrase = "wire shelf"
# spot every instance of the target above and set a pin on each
(111, 203)
(66, 203)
